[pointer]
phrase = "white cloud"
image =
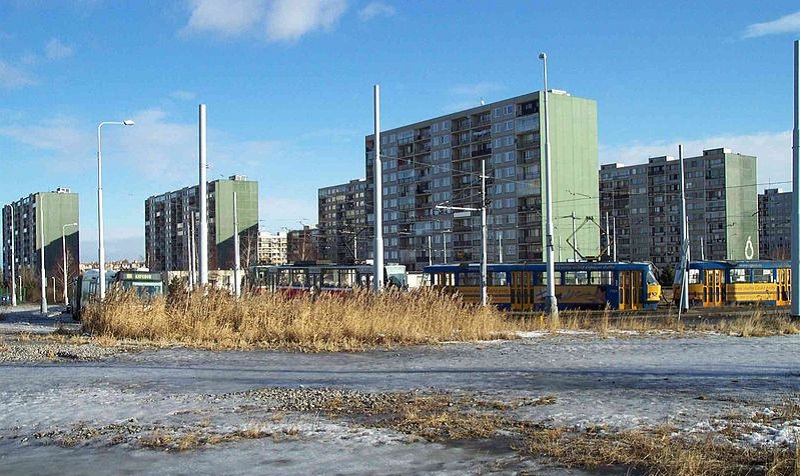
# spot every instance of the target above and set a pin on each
(277, 20)
(376, 9)
(14, 77)
(786, 24)
(224, 17)
(183, 95)
(288, 20)
(55, 50)
(59, 134)
(773, 149)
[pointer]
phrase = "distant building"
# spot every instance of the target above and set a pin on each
(721, 205)
(272, 248)
(438, 162)
(774, 224)
(172, 221)
(303, 245)
(343, 233)
(51, 214)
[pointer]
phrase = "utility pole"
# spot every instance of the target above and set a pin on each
(13, 262)
(484, 233)
(203, 198)
(795, 181)
(484, 238)
(444, 248)
(500, 246)
(430, 252)
(685, 258)
(608, 237)
(614, 227)
(377, 257)
(551, 283)
(237, 285)
(43, 280)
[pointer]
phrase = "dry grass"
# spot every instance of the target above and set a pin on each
(755, 322)
(329, 323)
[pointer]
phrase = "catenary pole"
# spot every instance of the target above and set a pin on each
(13, 262)
(237, 285)
(551, 284)
(203, 198)
(378, 171)
(484, 237)
(795, 188)
(40, 229)
(685, 258)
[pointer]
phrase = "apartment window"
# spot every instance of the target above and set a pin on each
(497, 111)
(509, 109)
(435, 127)
(497, 128)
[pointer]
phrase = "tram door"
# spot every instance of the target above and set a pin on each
(630, 289)
(712, 288)
(522, 292)
(784, 286)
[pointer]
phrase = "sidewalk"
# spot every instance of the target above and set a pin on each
(26, 318)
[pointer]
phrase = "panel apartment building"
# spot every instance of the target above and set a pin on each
(172, 223)
(721, 205)
(438, 162)
(49, 213)
(775, 224)
(342, 222)
(272, 248)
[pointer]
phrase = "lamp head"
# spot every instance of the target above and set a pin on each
(128, 122)
(542, 56)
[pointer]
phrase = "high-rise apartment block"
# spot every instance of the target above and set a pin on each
(343, 233)
(721, 205)
(775, 224)
(172, 223)
(43, 218)
(272, 248)
(302, 246)
(438, 162)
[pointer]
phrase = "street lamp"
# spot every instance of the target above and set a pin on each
(101, 252)
(551, 282)
(64, 254)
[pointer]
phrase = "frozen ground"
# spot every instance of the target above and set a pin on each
(86, 417)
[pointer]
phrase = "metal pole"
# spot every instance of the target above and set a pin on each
(685, 258)
(795, 252)
(430, 251)
(101, 252)
(40, 228)
(54, 289)
(614, 227)
(13, 262)
(551, 284)
(378, 170)
(64, 254)
(444, 247)
(237, 286)
(574, 240)
(500, 247)
(702, 250)
(190, 251)
(203, 198)
(484, 237)
(355, 247)
(608, 237)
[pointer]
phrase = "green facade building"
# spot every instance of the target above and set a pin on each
(172, 221)
(48, 218)
(438, 162)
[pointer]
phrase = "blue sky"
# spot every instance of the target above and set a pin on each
(288, 85)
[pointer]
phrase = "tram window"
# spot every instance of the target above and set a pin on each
(544, 277)
(738, 276)
(329, 278)
(762, 275)
(694, 276)
(285, 277)
(469, 279)
(497, 279)
(601, 277)
(442, 279)
(651, 278)
(347, 278)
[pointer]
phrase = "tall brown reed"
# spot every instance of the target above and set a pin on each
(328, 322)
